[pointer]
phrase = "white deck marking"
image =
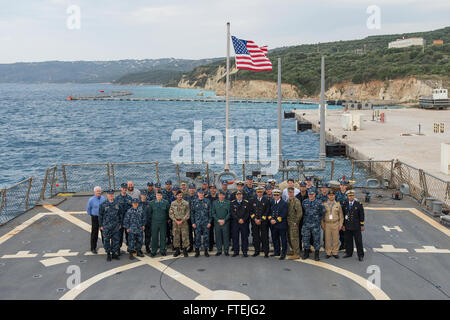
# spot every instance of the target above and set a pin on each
(73, 293)
(376, 292)
(387, 248)
(20, 254)
(21, 227)
(53, 261)
(83, 225)
(99, 251)
(431, 249)
(420, 215)
(388, 229)
(62, 253)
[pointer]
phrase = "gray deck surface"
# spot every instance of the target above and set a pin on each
(404, 275)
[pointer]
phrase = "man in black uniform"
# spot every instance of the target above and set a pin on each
(259, 211)
(239, 223)
(240, 187)
(212, 196)
(353, 225)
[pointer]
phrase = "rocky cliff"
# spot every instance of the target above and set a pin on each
(406, 90)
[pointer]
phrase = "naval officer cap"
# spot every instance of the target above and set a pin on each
(110, 191)
(276, 192)
(311, 191)
(259, 189)
(238, 192)
(350, 193)
(135, 200)
(124, 185)
(240, 183)
(150, 184)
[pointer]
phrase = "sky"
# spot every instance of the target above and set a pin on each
(46, 30)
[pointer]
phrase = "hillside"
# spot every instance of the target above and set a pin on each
(373, 62)
(150, 77)
(90, 71)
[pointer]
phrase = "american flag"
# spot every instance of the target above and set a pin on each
(249, 56)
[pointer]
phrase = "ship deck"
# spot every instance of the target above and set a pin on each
(41, 249)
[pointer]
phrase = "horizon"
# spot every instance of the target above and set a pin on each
(79, 31)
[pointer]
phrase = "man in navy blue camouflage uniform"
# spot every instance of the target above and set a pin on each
(148, 227)
(151, 195)
(249, 189)
(109, 220)
(124, 201)
(323, 195)
(201, 221)
(134, 223)
(225, 190)
(212, 196)
(313, 214)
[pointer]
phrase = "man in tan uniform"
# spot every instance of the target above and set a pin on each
(179, 213)
(331, 224)
(295, 214)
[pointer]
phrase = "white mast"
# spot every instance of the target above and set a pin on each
(227, 124)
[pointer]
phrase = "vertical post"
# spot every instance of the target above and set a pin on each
(332, 169)
(64, 176)
(27, 196)
(207, 173)
(109, 175)
(44, 185)
(178, 172)
(3, 200)
(157, 171)
(113, 176)
(353, 169)
(391, 182)
(227, 94)
(243, 171)
(279, 114)
(322, 153)
(53, 183)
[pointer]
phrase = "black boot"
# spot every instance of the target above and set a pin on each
(191, 248)
(316, 255)
(256, 254)
(305, 254)
(147, 249)
(185, 253)
(206, 253)
(140, 254)
(108, 257)
(197, 252)
(131, 256)
(115, 256)
(177, 252)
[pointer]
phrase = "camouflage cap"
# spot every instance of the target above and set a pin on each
(150, 184)
(157, 185)
(159, 192)
(200, 190)
(307, 178)
(222, 192)
(343, 183)
(325, 185)
(169, 182)
(311, 191)
(135, 200)
(110, 191)
(124, 185)
(204, 181)
(290, 189)
(268, 187)
(175, 188)
(192, 186)
(302, 184)
(179, 192)
(224, 182)
(213, 186)
(249, 178)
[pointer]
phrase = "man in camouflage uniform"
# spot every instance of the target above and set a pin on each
(201, 221)
(183, 188)
(268, 192)
(341, 197)
(124, 202)
(295, 213)
(205, 186)
(109, 221)
(148, 228)
(151, 195)
(190, 197)
(249, 189)
(225, 190)
(179, 213)
(313, 215)
(158, 214)
(167, 192)
(323, 195)
(221, 215)
(134, 223)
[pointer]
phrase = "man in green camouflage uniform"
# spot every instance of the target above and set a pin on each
(179, 213)
(295, 214)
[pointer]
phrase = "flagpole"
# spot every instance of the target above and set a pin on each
(279, 113)
(227, 92)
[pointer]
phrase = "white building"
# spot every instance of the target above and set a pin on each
(403, 43)
(440, 94)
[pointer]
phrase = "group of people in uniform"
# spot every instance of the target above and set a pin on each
(191, 219)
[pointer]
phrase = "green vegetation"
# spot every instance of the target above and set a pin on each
(374, 61)
(150, 77)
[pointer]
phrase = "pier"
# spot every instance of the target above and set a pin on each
(216, 100)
